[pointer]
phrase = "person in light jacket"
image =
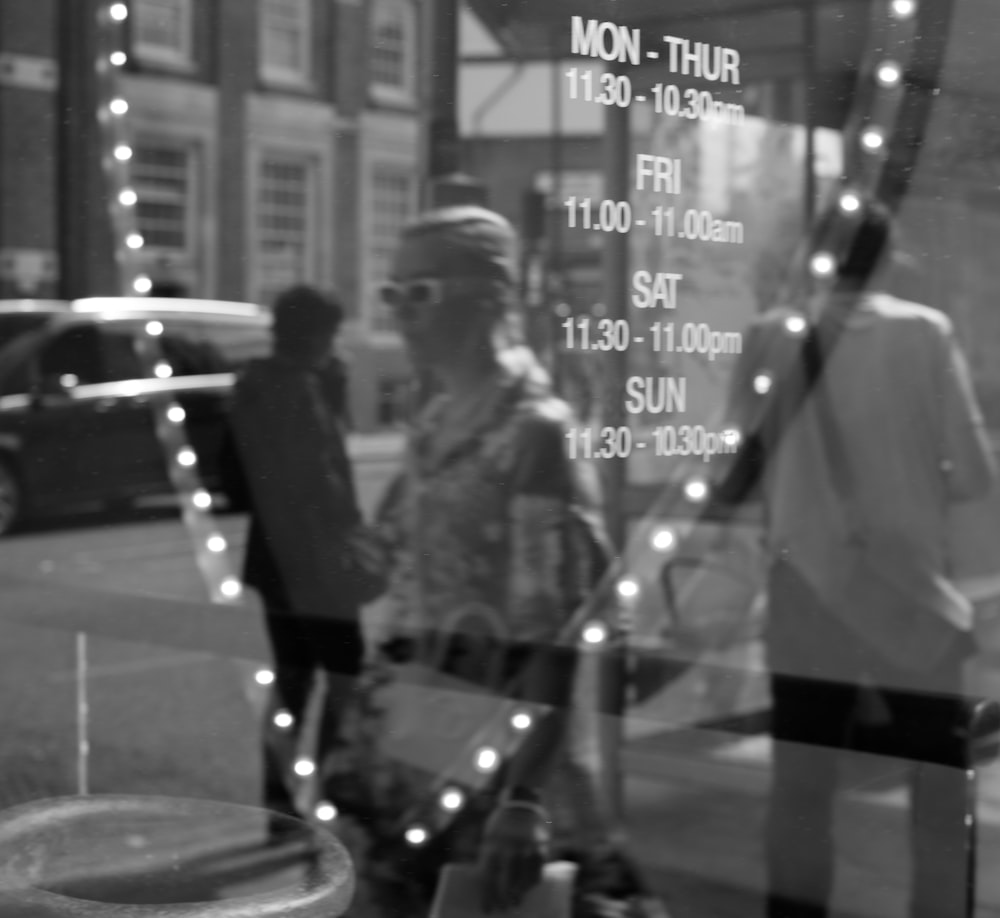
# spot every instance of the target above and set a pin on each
(889, 382)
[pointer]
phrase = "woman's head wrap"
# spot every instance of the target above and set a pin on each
(466, 240)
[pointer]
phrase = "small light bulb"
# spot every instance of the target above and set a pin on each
(123, 152)
(118, 106)
(795, 324)
(128, 197)
(134, 241)
(326, 812)
(521, 721)
(731, 437)
(849, 202)
(696, 490)
(595, 634)
(416, 836)
(283, 720)
(452, 800)
(304, 768)
(822, 264)
(628, 589)
(663, 539)
(762, 384)
(142, 284)
(176, 414)
(186, 457)
(154, 328)
(872, 139)
(119, 12)
(487, 759)
(903, 9)
(889, 73)
(230, 588)
(201, 499)
(118, 58)
(264, 677)
(216, 544)
(163, 371)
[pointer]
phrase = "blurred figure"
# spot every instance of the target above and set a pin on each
(888, 436)
(497, 540)
(292, 467)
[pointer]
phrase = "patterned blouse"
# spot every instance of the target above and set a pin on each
(496, 534)
(493, 526)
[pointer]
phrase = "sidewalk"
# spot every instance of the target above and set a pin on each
(695, 806)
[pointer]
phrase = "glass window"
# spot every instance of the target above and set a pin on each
(393, 203)
(285, 223)
(392, 60)
(163, 175)
(14, 326)
(285, 30)
(162, 30)
(86, 355)
(199, 348)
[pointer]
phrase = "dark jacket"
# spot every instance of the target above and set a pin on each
(286, 463)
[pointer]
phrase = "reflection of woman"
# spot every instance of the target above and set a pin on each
(494, 551)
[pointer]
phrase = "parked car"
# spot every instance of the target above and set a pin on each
(78, 385)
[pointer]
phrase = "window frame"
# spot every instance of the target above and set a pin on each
(274, 74)
(406, 92)
(310, 271)
(102, 333)
(372, 316)
(190, 149)
(182, 56)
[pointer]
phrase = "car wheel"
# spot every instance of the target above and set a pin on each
(11, 499)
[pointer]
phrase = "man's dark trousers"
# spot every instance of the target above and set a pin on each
(814, 717)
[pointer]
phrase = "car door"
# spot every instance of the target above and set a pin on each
(72, 424)
(129, 399)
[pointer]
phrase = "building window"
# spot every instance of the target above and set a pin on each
(162, 30)
(163, 174)
(285, 224)
(393, 56)
(285, 35)
(393, 203)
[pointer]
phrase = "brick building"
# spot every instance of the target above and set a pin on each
(275, 141)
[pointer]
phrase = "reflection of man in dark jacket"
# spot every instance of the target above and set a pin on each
(287, 423)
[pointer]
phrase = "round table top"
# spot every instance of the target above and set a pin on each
(120, 856)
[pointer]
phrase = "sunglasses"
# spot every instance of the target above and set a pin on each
(420, 293)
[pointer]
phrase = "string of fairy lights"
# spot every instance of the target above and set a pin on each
(169, 415)
(595, 628)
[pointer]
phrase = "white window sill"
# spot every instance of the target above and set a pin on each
(393, 95)
(289, 82)
(165, 60)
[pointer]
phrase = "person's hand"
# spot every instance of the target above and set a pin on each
(514, 850)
